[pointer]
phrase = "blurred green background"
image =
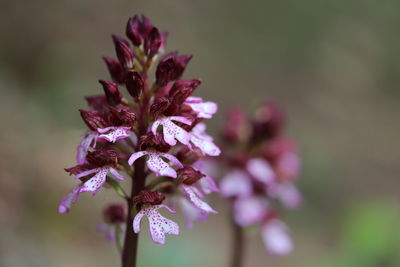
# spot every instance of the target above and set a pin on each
(333, 65)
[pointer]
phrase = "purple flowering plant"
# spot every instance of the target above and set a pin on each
(149, 128)
(261, 168)
(150, 132)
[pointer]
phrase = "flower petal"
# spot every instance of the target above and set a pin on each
(261, 170)
(249, 210)
(86, 173)
(208, 185)
(236, 183)
(204, 110)
(96, 182)
(136, 221)
(173, 159)
(171, 131)
(206, 146)
(116, 174)
(203, 141)
(72, 197)
(181, 119)
(159, 225)
(193, 197)
(136, 155)
(160, 167)
(287, 193)
(191, 213)
(84, 146)
(155, 126)
(276, 237)
(115, 134)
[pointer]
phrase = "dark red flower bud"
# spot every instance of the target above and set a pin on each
(148, 197)
(78, 169)
(122, 115)
(117, 71)
(134, 83)
(115, 213)
(152, 43)
(97, 102)
(159, 106)
(133, 31)
(145, 27)
(188, 156)
(113, 95)
(171, 67)
(102, 156)
(124, 52)
(94, 119)
(189, 175)
(268, 121)
(182, 89)
(156, 142)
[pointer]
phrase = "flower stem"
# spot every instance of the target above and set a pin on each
(238, 245)
(129, 252)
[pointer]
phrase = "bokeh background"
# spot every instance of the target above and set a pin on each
(334, 66)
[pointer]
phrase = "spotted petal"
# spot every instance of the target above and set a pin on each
(159, 225)
(136, 155)
(203, 141)
(203, 110)
(156, 164)
(96, 182)
(193, 196)
(171, 131)
(112, 134)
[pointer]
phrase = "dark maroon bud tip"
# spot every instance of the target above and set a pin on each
(113, 95)
(160, 105)
(148, 197)
(93, 119)
(156, 142)
(152, 43)
(189, 175)
(115, 213)
(122, 115)
(182, 89)
(171, 67)
(77, 169)
(117, 71)
(102, 156)
(145, 27)
(134, 84)
(133, 31)
(123, 51)
(189, 156)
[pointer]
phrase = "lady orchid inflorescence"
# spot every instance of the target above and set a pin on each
(154, 125)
